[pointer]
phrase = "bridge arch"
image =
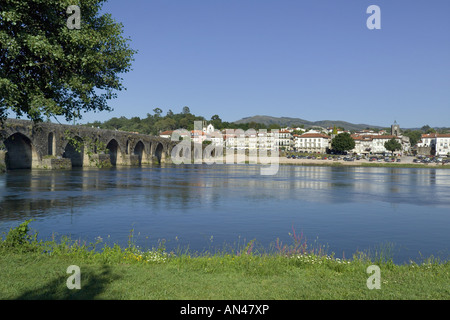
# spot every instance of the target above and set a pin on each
(139, 150)
(115, 153)
(20, 152)
(159, 152)
(74, 150)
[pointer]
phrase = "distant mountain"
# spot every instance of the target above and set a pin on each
(290, 122)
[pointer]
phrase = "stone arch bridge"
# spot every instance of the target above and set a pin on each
(26, 145)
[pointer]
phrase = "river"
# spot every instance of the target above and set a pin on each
(403, 211)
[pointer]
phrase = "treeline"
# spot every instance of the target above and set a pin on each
(155, 123)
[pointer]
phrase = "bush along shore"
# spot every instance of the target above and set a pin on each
(36, 269)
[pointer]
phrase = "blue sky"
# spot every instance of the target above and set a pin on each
(311, 59)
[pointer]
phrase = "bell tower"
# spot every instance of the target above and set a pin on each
(395, 129)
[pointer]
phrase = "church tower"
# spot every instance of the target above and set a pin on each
(395, 129)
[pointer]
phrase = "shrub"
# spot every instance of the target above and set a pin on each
(18, 238)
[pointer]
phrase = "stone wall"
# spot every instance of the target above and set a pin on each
(424, 151)
(56, 164)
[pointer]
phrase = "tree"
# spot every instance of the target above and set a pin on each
(343, 142)
(414, 136)
(170, 113)
(165, 124)
(392, 145)
(157, 112)
(216, 121)
(186, 110)
(47, 69)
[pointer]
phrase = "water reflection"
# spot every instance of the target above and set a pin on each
(348, 206)
(28, 193)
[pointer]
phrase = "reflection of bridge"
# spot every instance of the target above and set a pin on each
(24, 144)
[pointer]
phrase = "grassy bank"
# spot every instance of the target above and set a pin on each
(34, 269)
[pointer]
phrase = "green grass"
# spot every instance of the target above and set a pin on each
(34, 269)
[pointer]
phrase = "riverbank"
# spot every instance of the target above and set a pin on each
(405, 163)
(33, 269)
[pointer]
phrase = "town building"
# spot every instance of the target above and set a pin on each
(166, 134)
(284, 139)
(368, 142)
(312, 142)
(436, 143)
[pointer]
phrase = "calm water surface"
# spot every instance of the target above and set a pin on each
(204, 207)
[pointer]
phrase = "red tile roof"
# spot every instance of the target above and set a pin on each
(436, 135)
(314, 135)
(385, 137)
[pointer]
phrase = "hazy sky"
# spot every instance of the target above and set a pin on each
(312, 59)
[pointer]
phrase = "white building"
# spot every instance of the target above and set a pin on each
(217, 138)
(438, 142)
(283, 140)
(374, 144)
(379, 141)
(442, 144)
(363, 144)
(208, 129)
(198, 136)
(312, 142)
